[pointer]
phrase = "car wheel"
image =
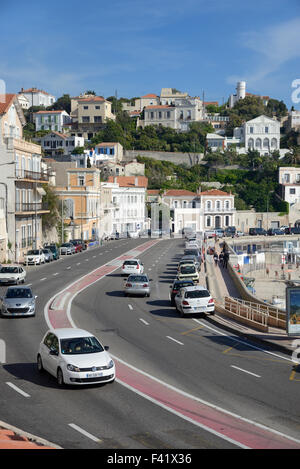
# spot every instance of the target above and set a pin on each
(23, 281)
(60, 377)
(40, 364)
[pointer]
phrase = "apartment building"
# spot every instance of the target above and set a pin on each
(21, 180)
(289, 178)
(129, 195)
(79, 189)
(56, 143)
(51, 120)
(37, 97)
(89, 113)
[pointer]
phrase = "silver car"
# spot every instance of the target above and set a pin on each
(67, 249)
(18, 301)
(48, 255)
(137, 285)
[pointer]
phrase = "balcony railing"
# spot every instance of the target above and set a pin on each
(30, 207)
(35, 176)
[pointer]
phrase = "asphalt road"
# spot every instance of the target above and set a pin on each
(190, 354)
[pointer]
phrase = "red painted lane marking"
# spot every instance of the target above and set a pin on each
(58, 318)
(231, 427)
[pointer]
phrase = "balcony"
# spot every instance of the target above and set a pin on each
(31, 176)
(30, 208)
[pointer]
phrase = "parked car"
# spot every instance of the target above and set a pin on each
(132, 266)
(188, 271)
(67, 249)
(113, 236)
(48, 255)
(210, 234)
(193, 252)
(18, 301)
(274, 232)
(292, 230)
(177, 284)
(137, 285)
(220, 232)
(75, 356)
(257, 232)
(77, 244)
(34, 257)
(12, 274)
(194, 258)
(54, 250)
(133, 234)
(82, 242)
(196, 299)
(230, 231)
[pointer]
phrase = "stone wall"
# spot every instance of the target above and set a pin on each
(189, 159)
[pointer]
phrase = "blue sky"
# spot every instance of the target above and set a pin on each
(137, 47)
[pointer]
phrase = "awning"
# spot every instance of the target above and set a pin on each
(40, 191)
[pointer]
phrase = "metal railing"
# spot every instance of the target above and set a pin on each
(30, 207)
(36, 176)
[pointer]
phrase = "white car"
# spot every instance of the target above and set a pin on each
(132, 266)
(35, 256)
(75, 356)
(195, 299)
(12, 274)
(133, 234)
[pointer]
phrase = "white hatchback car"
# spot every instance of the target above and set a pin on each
(195, 299)
(75, 356)
(12, 274)
(132, 266)
(35, 256)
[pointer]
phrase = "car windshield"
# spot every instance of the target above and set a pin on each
(33, 252)
(130, 263)
(179, 285)
(9, 270)
(80, 345)
(46, 251)
(189, 269)
(191, 252)
(197, 294)
(19, 293)
(137, 278)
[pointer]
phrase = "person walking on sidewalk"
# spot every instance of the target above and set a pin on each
(221, 258)
(216, 258)
(225, 259)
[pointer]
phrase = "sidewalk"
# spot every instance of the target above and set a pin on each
(14, 438)
(220, 284)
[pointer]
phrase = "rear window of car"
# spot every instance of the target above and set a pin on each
(137, 278)
(192, 252)
(179, 285)
(197, 294)
(189, 269)
(130, 263)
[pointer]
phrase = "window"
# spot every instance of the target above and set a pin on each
(266, 130)
(293, 191)
(85, 119)
(81, 180)
(97, 107)
(85, 107)
(251, 130)
(208, 222)
(97, 119)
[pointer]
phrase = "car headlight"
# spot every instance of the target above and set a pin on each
(111, 364)
(73, 368)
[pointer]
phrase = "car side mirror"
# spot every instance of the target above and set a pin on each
(53, 351)
(106, 347)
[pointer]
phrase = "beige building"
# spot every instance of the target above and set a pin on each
(21, 179)
(89, 113)
(81, 194)
(149, 99)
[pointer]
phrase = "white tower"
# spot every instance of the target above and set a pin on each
(241, 90)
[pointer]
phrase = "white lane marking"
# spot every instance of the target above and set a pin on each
(78, 263)
(86, 260)
(84, 432)
(13, 386)
(236, 339)
(56, 273)
(130, 307)
(94, 256)
(245, 371)
(69, 267)
(28, 284)
(41, 279)
(145, 322)
(177, 341)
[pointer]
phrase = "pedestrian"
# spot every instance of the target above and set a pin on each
(225, 259)
(216, 258)
(221, 258)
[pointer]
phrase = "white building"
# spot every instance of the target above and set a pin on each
(240, 93)
(128, 196)
(56, 143)
(261, 134)
(219, 142)
(37, 97)
(51, 120)
(289, 178)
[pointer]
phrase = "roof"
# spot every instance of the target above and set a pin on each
(91, 99)
(214, 192)
(106, 144)
(150, 95)
(6, 101)
(153, 191)
(178, 193)
(158, 106)
(69, 332)
(33, 90)
(129, 181)
(50, 112)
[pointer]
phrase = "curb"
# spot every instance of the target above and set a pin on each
(18, 439)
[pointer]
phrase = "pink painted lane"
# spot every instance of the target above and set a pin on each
(233, 428)
(58, 307)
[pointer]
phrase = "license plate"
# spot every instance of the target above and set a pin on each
(199, 308)
(94, 375)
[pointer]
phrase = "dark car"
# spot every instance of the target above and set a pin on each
(257, 232)
(274, 232)
(54, 250)
(82, 242)
(292, 230)
(230, 231)
(177, 284)
(77, 244)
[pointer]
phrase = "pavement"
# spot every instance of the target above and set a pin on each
(267, 285)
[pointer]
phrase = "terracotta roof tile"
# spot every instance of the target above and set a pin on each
(214, 192)
(6, 101)
(179, 192)
(129, 181)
